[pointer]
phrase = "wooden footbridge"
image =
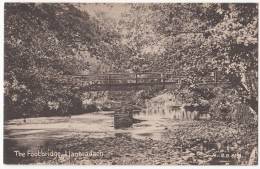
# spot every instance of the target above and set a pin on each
(137, 81)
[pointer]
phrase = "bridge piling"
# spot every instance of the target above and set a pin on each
(136, 81)
(163, 80)
(215, 78)
(109, 84)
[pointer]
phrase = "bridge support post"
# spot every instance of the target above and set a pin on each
(136, 81)
(162, 80)
(109, 85)
(215, 78)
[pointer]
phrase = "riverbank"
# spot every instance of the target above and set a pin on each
(190, 142)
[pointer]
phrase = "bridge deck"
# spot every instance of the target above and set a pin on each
(137, 81)
(134, 81)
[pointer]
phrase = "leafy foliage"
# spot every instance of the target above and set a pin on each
(199, 38)
(45, 41)
(42, 43)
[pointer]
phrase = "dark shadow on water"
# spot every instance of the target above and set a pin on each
(125, 120)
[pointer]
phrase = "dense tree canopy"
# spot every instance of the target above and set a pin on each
(198, 39)
(45, 41)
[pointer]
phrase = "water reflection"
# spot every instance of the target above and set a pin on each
(171, 112)
(124, 118)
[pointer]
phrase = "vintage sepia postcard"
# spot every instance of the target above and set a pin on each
(130, 83)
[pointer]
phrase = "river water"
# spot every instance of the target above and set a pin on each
(37, 132)
(41, 132)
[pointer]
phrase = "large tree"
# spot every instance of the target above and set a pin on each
(43, 44)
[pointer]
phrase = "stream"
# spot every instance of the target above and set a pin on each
(40, 132)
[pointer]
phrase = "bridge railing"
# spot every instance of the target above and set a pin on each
(140, 78)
